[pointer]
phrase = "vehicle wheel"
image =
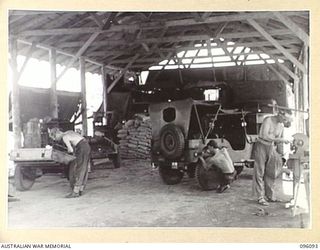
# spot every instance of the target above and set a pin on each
(170, 176)
(172, 141)
(24, 178)
(207, 179)
(116, 160)
(191, 171)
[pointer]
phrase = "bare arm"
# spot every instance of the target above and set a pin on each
(204, 163)
(225, 152)
(68, 143)
(266, 132)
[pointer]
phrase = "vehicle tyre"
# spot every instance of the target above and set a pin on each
(24, 178)
(207, 179)
(170, 176)
(172, 141)
(116, 160)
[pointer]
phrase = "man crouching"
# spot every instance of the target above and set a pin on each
(213, 157)
(79, 167)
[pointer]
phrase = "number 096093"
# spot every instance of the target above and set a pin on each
(308, 246)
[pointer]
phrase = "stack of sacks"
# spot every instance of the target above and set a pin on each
(135, 138)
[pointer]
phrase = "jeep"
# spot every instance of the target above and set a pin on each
(180, 130)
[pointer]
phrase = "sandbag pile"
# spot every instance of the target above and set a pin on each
(135, 138)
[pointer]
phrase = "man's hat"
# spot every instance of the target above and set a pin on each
(286, 114)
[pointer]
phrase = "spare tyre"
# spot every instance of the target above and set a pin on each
(172, 141)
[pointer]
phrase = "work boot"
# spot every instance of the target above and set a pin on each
(73, 195)
(223, 188)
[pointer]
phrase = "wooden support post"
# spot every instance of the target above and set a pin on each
(53, 89)
(105, 103)
(276, 44)
(296, 101)
(15, 97)
(83, 97)
(305, 82)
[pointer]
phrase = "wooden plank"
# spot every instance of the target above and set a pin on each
(79, 53)
(141, 65)
(145, 46)
(61, 51)
(299, 32)
(281, 65)
(34, 22)
(59, 20)
(13, 19)
(184, 48)
(286, 70)
(305, 79)
(53, 88)
(122, 73)
(109, 21)
(97, 20)
(105, 100)
(26, 60)
(15, 111)
(155, 40)
(152, 59)
(277, 45)
(83, 96)
(149, 25)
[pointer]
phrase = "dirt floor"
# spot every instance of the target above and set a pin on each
(134, 196)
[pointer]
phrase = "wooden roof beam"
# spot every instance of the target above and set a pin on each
(109, 21)
(97, 19)
(177, 38)
(283, 66)
(79, 53)
(142, 65)
(150, 25)
(47, 47)
(132, 60)
(276, 44)
(152, 59)
(293, 27)
(28, 24)
(59, 20)
(252, 44)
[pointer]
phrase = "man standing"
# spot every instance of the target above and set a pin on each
(268, 162)
(79, 168)
(213, 156)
